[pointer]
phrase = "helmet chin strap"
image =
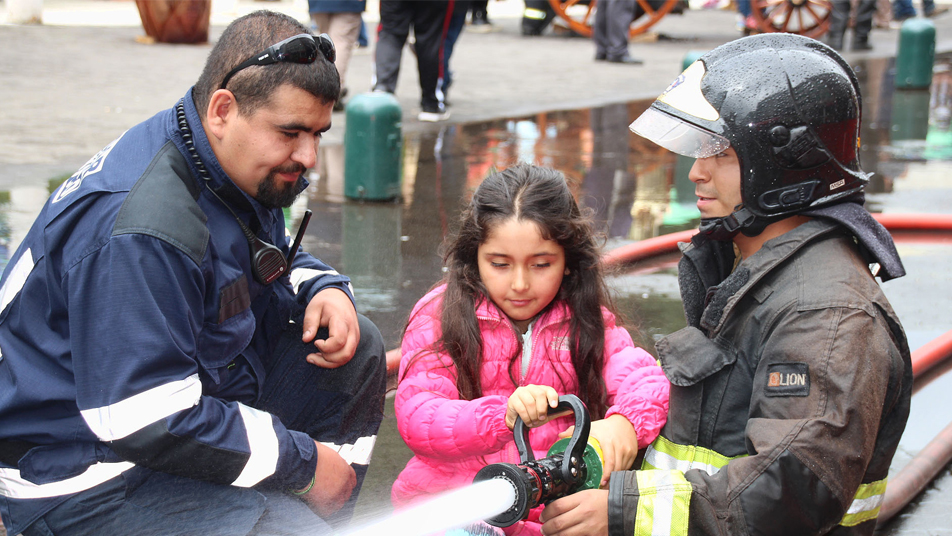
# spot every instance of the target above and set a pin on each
(726, 228)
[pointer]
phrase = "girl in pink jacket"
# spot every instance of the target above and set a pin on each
(522, 317)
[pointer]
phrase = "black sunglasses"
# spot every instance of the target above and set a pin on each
(301, 48)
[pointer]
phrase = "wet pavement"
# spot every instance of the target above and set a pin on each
(74, 86)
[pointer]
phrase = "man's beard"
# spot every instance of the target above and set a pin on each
(272, 196)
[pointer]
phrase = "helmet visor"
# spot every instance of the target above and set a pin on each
(678, 136)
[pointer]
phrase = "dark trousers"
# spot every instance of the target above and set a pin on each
(429, 22)
(337, 406)
(840, 18)
(453, 29)
(610, 31)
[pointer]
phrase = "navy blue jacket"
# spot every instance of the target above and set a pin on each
(336, 6)
(133, 334)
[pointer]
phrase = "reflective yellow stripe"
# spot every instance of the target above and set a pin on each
(665, 454)
(664, 501)
(531, 13)
(866, 503)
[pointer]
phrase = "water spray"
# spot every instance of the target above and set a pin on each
(572, 464)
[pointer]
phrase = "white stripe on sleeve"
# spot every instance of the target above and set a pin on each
(14, 486)
(128, 416)
(300, 275)
(359, 452)
(264, 447)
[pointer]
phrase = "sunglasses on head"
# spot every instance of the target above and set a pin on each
(301, 48)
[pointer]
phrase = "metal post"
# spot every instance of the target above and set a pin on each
(916, 54)
(373, 147)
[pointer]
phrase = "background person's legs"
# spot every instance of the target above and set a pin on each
(600, 33)
(902, 10)
(863, 25)
(480, 13)
(455, 28)
(395, 17)
(343, 28)
(430, 23)
(839, 19)
(620, 13)
(339, 407)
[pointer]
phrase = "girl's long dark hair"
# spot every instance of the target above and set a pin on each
(540, 195)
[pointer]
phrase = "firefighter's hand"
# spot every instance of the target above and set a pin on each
(331, 308)
(334, 482)
(531, 403)
(580, 514)
(618, 440)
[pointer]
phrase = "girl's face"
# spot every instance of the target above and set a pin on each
(521, 270)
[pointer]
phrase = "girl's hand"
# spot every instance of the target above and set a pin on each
(618, 440)
(531, 403)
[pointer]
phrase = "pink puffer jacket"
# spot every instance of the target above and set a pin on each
(452, 439)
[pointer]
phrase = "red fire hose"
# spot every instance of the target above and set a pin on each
(922, 469)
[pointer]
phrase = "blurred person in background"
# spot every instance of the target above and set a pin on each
(429, 21)
(341, 20)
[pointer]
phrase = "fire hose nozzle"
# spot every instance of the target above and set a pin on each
(571, 465)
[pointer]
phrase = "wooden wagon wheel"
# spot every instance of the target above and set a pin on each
(805, 17)
(579, 15)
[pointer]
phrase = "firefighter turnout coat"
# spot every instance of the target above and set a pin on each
(790, 390)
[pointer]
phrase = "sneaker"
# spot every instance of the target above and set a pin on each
(897, 21)
(480, 23)
(628, 60)
(433, 116)
(937, 11)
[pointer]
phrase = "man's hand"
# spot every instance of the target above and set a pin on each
(334, 482)
(581, 514)
(331, 308)
(618, 440)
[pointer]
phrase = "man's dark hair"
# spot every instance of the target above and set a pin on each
(253, 86)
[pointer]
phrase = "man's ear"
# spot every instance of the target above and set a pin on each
(222, 110)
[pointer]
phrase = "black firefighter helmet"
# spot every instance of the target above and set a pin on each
(790, 107)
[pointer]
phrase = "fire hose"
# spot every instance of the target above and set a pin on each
(571, 465)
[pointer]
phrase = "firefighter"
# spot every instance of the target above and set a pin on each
(791, 382)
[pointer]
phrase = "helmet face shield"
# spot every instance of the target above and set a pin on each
(678, 136)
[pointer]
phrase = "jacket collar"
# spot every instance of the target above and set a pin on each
(754, 268)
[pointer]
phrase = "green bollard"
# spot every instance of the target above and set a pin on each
(373, 147)
(916, 53)
(691, 57)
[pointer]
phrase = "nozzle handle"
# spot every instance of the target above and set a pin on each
(576, 446)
